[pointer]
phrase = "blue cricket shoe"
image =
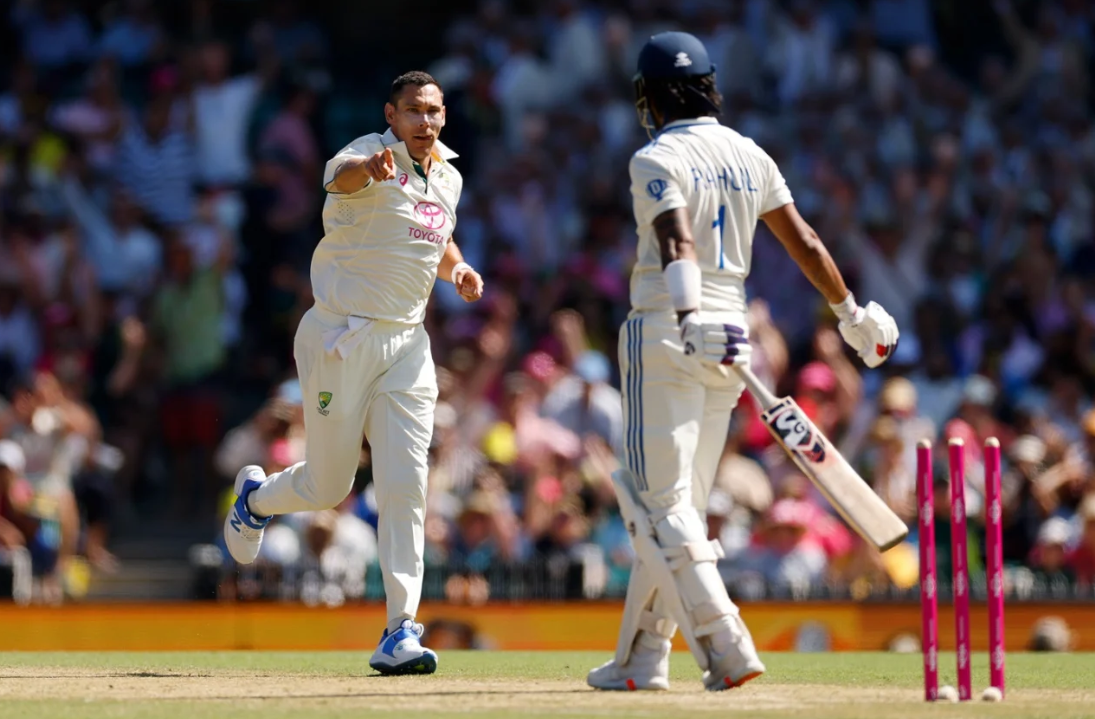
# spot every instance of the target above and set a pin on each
(401, 652)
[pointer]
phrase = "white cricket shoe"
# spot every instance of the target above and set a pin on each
(646, 669)
(401, 652)
(243, 530)
(738, 665)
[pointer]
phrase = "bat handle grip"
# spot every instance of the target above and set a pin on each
(761, 393)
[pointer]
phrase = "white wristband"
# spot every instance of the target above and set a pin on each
(459, 266)
(845, 310)
(684, 280)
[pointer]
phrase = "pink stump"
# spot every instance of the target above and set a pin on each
(960, 570)
(995, 563)
(929, 609)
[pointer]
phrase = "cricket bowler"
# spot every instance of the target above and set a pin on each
(698, 190)
(363, 355)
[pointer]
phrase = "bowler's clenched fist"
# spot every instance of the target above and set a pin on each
(469, 284)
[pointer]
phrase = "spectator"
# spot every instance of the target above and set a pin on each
(338, 547)
(817, 394)
(19, 340)
(783, 553)
(22, 101)
(1081, 562)
(257, 441)
(536, 439)
(55, 37)
(802, 54)
(1050, 553)
(485, 534)
(868, 68)
(16, 524)
(95, 118)
(728, 524)
(222, 109)
(770, 355)
(27, 522)
(900, 23)
(134, 35)
(890, 476)
(586, 404)
(1025, 506)
(156, 164)
(574, 49)
(124, 254)
(297, 42)
(187, 316)
(897, 400)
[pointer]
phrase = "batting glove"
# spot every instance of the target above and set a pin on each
(714, 344)
(871, 332)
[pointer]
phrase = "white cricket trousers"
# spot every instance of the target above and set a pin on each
(385, 388)
(676, 418)
(676, 410)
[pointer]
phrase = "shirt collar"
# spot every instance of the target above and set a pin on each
(440, 150)
(689, 121)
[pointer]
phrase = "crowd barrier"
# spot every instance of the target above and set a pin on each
(776, 626)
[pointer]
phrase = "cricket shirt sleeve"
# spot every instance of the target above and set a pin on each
(655, 186)
(776, 192)
(361, 147)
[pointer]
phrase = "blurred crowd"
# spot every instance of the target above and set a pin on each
(160, 197)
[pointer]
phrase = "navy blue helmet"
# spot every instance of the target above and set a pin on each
(670, 57)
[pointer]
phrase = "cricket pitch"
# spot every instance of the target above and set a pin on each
(502, 684)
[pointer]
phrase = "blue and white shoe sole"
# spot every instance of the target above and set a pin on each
(425, 664)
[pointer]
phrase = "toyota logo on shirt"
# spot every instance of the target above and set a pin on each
(429, 215)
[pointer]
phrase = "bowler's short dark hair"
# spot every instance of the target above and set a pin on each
(415, 78)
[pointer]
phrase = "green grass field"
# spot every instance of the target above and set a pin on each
(500, 684)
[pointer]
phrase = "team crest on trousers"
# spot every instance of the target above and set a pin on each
(324, 400)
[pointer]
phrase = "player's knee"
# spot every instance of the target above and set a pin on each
(679, 525)
(330, 494)
(669, 501)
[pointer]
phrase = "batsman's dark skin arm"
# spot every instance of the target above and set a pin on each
(808, 251)
(674, 232)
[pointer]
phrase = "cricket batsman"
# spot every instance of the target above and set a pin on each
(698, 189)
(363, 356)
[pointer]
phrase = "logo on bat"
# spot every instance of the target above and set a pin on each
(798, 434)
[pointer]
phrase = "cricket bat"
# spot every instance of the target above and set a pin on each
(815, 455)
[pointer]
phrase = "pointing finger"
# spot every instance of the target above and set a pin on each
(389, 161)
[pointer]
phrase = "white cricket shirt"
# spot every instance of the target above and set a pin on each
(378, 257)
(727, 182)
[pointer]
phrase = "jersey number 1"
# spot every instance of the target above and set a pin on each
(720, 225)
